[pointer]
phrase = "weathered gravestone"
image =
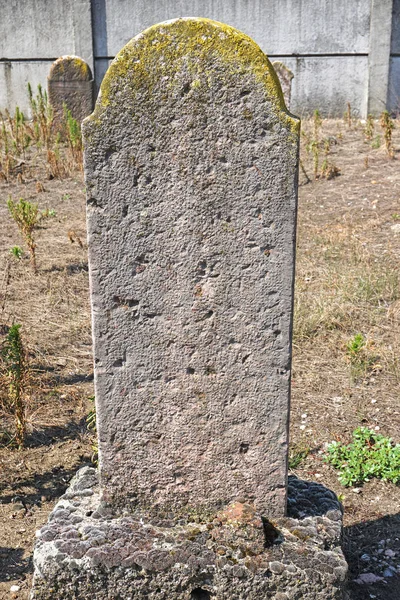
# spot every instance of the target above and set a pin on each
(191, 174)
(70, 85)
(191, 169)
(285, 77)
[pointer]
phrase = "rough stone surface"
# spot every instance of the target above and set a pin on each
(191, 174)
(84, 551)
(70, 82)
(285, 77)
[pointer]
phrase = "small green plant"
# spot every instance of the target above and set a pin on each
(42, 116)
(297, 454)
(17, 252)
(313, 143)
(17, 131)
(27, 217)
(74, 137)
(376, 142)
(355, 346)
(396, 217)
(91, 418)
(387, 125)
(369, 127)
(73, 129)
(368, 455)
(57, 166)
(359, 356)
(15, 372)
(328, 169)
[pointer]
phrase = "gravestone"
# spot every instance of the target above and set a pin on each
(191, 170)
(285, 77)
(191, 175)
(70, 84)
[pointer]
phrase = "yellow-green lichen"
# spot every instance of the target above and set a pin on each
(196, 46)
(82, 67)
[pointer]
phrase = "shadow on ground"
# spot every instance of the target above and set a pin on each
(45, 436)
(71, 269)
(60, 379)
(12, 565)
(44, 486)
(379, 540)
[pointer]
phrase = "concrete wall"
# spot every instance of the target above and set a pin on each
(339, 50)
(33, 33)
(394, 70)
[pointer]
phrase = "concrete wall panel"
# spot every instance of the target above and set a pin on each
(328, 84)
(394, 85)
(14, 78)
(395, 45)
(36, 29)
(278, 26)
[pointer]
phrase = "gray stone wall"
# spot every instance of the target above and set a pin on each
(338, 51)
(394, 66)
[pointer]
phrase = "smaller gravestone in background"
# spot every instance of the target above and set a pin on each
(70, 84)
(285, 77)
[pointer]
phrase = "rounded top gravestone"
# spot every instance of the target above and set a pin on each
(70, 85)
(191, 175)
(70, 68)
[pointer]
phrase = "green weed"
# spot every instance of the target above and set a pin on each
(369, 127)
(369, 455)
(387, 125)
(74, 137)
(328, 169)
(42, 116)
(355, 346)
(297, 454)
(376, 143)
(17, 252)
(358, 353)
(15, 371)
(27, 217)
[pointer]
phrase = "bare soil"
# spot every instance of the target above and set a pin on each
(347, 282)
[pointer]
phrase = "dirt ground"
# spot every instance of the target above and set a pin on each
(347, 282)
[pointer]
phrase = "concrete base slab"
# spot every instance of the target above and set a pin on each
(84, 551)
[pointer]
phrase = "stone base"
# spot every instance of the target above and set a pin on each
(84, 552)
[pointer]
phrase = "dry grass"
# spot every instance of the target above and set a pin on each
(347, 281)
(347, 284)
(24, 143)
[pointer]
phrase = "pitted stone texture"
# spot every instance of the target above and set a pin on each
(84, 552)
(70, 83)
(285, 77)
(191, 166)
